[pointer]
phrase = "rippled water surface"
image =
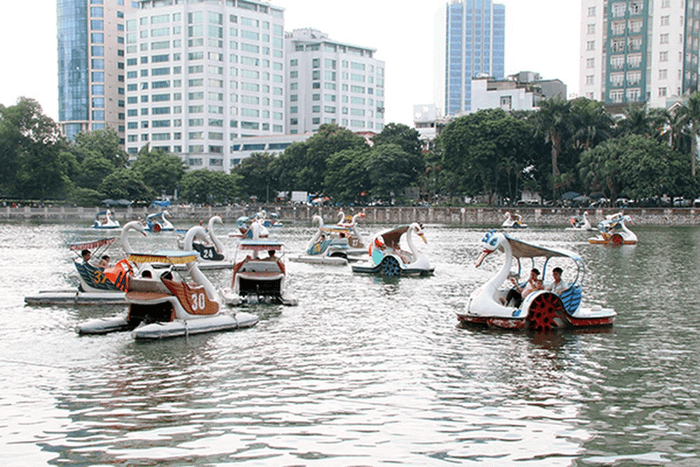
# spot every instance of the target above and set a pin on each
(365, 371)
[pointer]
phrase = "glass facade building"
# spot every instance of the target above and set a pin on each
(91, 80)
(474, 45)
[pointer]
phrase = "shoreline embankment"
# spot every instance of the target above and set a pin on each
(461, 216)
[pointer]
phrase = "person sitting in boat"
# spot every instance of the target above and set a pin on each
(518, 293)
(86, 254)
(557, 286)
(271, 256)
(104, 262)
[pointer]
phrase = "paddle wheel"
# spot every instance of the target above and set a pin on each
(543, 311)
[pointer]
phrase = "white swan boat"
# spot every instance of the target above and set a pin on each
(388, 258)
(614, 231)
(334, 244)
(97, 286)
(581, 223)
(244, 228)
(258, 279)
(158, 222)
(515, 222)
(160, 307)
(212, 252)
(540, 310)
(103, 220)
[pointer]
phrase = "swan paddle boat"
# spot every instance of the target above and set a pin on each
(268, 220)
(244, 225)
(334, 244)
(513, 222)
(212, 252)
(581, 223)
(388, 258)
(158, 222)
(614, 231)
(541, 310)
(258, 279)
(96, 285)
(103, 220)
(161, 307)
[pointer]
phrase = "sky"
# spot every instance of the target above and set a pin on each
(541, 36)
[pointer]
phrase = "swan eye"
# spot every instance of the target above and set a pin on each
(493, 241)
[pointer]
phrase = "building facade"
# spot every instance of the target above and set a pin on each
(470, 42)
(332, 82)
(201, 75)
(91, 76)
(639, 51)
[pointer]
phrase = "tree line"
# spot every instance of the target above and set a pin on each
(565, 145)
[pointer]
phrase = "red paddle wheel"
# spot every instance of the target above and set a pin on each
(543, 310)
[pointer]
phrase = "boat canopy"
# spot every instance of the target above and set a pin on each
(155, 215)
(393, 236)
(334, 229)
(92, 244)
(165, 256)
(260, 245)
(523, 249)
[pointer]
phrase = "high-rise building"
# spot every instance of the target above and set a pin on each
(332, 82)
(470, 42)
(201, 74)
(91, 81)
(639, 51)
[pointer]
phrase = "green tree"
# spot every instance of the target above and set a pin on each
(553, 121)
(205, 187)
(105, 143)
(93, 170)
(33, 163)
(473, 147)
(126, 184)
(159, 170)
(690, 114)
(259, 176)
(302, 166)
(402, 135)
(391, 170)
(347, 178)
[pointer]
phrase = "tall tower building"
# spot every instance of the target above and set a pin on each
(332, 82)
(91, 82)
(639, 51)
(201, 74)
(470, 42)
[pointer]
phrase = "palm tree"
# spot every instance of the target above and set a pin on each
(691, 115)
(591, 122)
(553, 120)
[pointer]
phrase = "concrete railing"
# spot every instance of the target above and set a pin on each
(373, 215)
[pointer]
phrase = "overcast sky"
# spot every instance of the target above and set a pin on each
(541, 36)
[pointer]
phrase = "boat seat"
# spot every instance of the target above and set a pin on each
(571, 298)
(138, 284)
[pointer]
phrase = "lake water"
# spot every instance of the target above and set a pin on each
(365, 371)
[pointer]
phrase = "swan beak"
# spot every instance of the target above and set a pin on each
(423, 238)
(484, 254)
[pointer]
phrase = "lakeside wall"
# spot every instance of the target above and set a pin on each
(374, 215)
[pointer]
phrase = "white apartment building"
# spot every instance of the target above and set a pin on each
(639, 51)
(332, 82)
(200, 75)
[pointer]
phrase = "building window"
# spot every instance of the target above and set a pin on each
(590, 63)
(662, 92)
(665, 3)
(663, 74)
(591, 11)
(589, 79)
(590, 29)
(619, 10)
(590, 45)
(663, 39)
(663, 56)
(665, 20)
(618, 27)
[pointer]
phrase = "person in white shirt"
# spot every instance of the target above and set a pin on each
(557, 286)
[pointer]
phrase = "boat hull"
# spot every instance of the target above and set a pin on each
(75, 297)
(178, 327)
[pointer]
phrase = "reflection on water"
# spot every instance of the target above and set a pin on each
(365, 371)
